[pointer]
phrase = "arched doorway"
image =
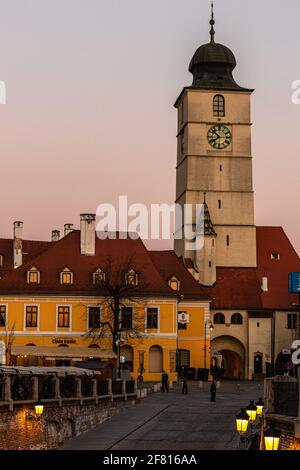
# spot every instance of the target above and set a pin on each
(155, 359)
(283, 363)
(258, 363)
(233, 356)
(127, 352)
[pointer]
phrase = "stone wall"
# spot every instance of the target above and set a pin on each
(56, 425)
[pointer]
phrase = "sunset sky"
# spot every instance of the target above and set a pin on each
(90, 91)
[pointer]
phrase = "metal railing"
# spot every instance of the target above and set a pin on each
(17, 389)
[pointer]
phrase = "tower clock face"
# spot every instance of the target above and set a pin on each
(219, 137)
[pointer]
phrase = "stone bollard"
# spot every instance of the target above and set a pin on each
(238, 387)
(155, 389)
(171, 384)
(201, 384)
(218, 384)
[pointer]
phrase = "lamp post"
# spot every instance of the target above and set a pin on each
(211, 327)
(252, 411)
(271, 439)
(260, 406)
(242, 422)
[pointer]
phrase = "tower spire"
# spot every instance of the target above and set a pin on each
(212, 23)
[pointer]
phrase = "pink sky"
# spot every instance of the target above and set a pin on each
(90, 93)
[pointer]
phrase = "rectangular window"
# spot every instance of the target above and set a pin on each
(228, 240)
(219, 203)
(152, 318)
(63, 320)
(66, 278)
(31, 316)
(94, 317)
(1, 260)
(33, 277)
(292, 321)
(126, 318)
(2, 315)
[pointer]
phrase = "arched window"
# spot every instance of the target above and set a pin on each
(219, 106)
(219, 319)
(236, 319)
(94, 346)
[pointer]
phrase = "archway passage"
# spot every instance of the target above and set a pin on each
(232, 363)
(233, 356)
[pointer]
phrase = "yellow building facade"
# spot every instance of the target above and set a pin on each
(51, 310)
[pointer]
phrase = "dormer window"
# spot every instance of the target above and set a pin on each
(174, 283)
(33, 276)
(99, 276)
(275, 255)
(131, 278)
(66, 276)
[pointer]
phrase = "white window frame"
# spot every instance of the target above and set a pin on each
(62, 328)
(6, 316)
(98, 271)
(36, 328)
(33, 270)
(87, 314)
(157, 330)
(66, 271)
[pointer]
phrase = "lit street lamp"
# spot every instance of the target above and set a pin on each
(252, 411)
(271, 438)
(242, 421)
(260, 406)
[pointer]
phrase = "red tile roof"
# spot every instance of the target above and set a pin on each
(240, 288)
(30, 249)
(170, 265)
(236, 288)
(113, 254)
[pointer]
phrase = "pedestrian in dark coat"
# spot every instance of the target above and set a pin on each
(213, 391)
(184, 385)
(164, 381)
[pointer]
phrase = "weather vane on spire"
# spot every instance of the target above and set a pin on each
(212, 23)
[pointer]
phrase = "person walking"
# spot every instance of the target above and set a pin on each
(213, 391)
(164, 381)
(184, 385)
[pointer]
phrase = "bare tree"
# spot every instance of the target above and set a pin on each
(8, 338)
(121, 286)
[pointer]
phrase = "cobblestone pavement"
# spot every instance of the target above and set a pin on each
(172, 421)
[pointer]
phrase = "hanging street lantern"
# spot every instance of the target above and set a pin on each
(252, 411)
(271, 439)
(260, 406)
(39, 409)
(242, 421)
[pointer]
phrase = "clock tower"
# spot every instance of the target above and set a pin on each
(214, 162)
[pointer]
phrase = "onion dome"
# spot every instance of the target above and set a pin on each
(212, 64)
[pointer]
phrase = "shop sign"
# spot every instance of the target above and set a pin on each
(63, 341)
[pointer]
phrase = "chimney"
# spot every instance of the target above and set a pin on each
(87, 234)
(55, 235)
(264, 284)
(68, 228)
(18, 231)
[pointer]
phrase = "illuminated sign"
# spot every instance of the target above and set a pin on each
(63, 341)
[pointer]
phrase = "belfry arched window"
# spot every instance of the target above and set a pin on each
(219, 106)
